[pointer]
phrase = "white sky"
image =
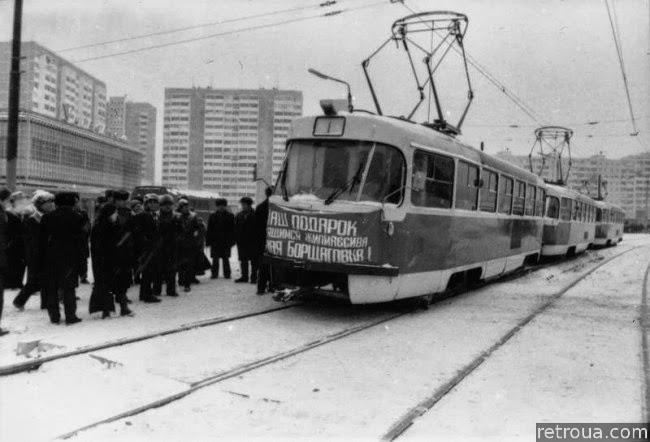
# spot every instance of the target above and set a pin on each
(558, 56)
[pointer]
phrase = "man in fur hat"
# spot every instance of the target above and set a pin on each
(43, 202)
(60, 235)
(124, 249)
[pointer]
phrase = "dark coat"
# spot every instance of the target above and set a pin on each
(15, 251)
(125, 238)
(3, 241)
(261, 217)
(86, 233)
(221, 234)
(60, 237)
(32, 233)
(146, 238)
(169, 228)
(245, 235)
(191, 237)
(103, 241)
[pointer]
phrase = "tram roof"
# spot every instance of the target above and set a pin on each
(608, 205)
(561, 191)
(403, 133)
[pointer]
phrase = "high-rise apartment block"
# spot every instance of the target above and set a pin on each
(54, 87)
(136, 123)
(214, 138)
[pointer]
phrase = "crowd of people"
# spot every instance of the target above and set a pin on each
(46, 240)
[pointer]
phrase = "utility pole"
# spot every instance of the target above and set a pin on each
(14, 98)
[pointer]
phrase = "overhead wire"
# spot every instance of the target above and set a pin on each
(230, 32)
(198, 26)
(619, 52)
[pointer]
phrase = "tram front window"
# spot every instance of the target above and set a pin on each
(353, 170)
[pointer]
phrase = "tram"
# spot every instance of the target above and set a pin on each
(570, 222)
(609, 224)
(373, 209)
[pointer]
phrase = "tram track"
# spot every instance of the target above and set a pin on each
(239, 370)
(284, 355)
(407, 419)
(644, 322)
(34, 364)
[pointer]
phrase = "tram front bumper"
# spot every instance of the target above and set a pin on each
(348, 269)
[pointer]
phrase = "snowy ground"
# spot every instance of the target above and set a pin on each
(577, 361)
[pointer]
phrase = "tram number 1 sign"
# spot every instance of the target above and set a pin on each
(341, 238)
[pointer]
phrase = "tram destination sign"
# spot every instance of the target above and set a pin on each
(341, 238)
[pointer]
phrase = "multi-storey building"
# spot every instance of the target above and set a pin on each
(53, 154)
(136, 123)
(213, 139)
(54, 87)
(624, 181)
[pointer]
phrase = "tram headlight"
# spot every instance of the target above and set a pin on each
(390, 228)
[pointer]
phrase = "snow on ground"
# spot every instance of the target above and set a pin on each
(580, 361)
(358, 386)
(208, 300)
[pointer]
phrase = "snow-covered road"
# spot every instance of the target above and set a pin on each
(566, 364)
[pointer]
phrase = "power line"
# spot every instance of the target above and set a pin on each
(221, 34)
(202, 25)
(581, 123)
(621, 62)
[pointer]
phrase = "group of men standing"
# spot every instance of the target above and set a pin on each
(247, 230)
(148, 241)
(47, 238)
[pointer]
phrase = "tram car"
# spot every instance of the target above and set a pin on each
(570, 222)
(609, 224)
(372, 209)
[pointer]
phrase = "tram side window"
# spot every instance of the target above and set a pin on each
(505, 194)
(565, 209)
(433, 179)
(489, 191)
(531, 194)
(599, 215)
(519, 198)
(466, 186)
(539, 202)
(552, 207)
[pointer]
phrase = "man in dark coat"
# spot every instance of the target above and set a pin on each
(246, 242)
(220, 237)
(16, 247)
(169, 229)
(61, 231)
(43, 203)
(137, 206)
(124, 249)
(4, 198)
(85, 250)
(103, 241)
(189, 242)
(146, 240)
(261, 217)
